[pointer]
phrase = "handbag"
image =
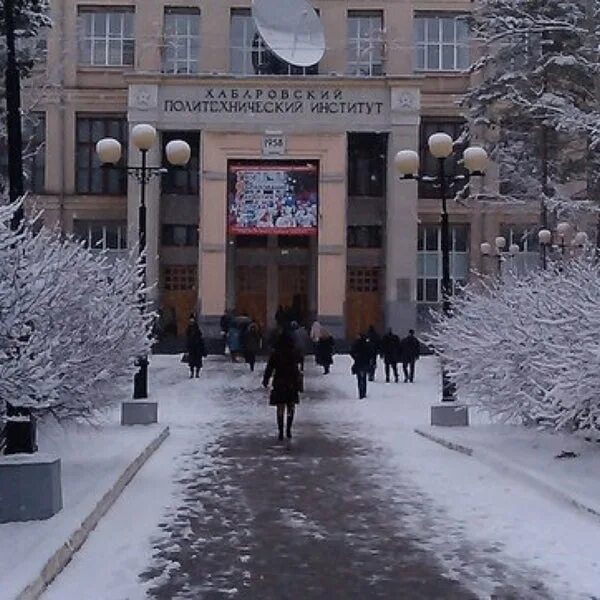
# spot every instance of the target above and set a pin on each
(185, 358)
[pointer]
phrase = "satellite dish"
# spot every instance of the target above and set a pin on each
(291, 29)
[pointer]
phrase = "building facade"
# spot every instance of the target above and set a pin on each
(391, 75)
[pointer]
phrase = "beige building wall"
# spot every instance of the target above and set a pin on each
(73, 90)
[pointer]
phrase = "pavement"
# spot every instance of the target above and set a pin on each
(262, 519)
(334, 513)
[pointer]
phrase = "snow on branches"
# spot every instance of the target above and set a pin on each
(528, 348)
(70, 322)
(536, 86)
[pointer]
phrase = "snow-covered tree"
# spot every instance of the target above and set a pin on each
(70, 322)
(535, 94)
(527, 348)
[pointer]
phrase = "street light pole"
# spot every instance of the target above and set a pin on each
(21, 426)
(445, 234)
(140, 379)
(475, 160)
(178, 155)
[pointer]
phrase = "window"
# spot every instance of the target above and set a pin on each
(367, 157)
(293, 241)
(92, 178)
(365, 236)
(361, 279)
(34, 155)
(106, 36)
(179, 235)
(251, 241)
(182, 180)
(430, 164)
(429, 260)
(101, 235)
(181, 40)
(177, 278)
(365, 43)
(249, 54)
(441, 43)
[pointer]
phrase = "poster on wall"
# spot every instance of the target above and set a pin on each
(278, 198)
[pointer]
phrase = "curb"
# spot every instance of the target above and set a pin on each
(442, 442)
(61, 558)
(521, 474)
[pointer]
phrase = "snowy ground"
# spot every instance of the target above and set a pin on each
(92, 459)
(489, 532)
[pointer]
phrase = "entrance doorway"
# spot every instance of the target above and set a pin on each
(293, 290)
(363, 300)
(273, 271)
(251, 293)
(178, 298)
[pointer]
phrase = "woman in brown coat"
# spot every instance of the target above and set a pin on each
(283, 367)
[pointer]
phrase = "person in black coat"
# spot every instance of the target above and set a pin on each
(283, 368)
(195, 347)
(410, 350)
(390, 352)
(251, 341)
(374, 341)
(324, 351)
(361, 353)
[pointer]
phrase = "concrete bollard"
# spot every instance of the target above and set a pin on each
(136, 412)
(30, 487)
(450, 414)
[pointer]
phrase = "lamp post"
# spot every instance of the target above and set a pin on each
(441, 146)
(563, 232)
(178, 154)
(499, 245)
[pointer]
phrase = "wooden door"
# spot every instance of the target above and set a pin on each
(363, 300)
(251, 293)
(293, 289)
(178, 296)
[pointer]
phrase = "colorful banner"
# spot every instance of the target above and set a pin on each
(273, 198)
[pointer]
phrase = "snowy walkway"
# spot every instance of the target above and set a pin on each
(358, 507)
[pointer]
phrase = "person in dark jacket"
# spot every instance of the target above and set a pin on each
(251, 344)
(324, 350)
(302, 342)
(283, 368)
(374, 341)
(361, 353)
(390, 352)
(195, 347)
(410, 350)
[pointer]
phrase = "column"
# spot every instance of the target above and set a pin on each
(331, 267)
(402, 216)
(212, 263)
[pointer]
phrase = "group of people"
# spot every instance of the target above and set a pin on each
(393, 350)
(243, 338)
(291, 343)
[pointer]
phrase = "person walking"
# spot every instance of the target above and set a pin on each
(361, 353)
(410, 350)
(390, 352)
(251, 343)
(324, 350)
(283, 368)
(374, 341)
(302, 342)
(195, 347)
(234, 341)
